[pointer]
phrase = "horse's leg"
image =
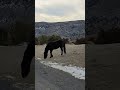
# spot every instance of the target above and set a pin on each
(64, 49)
(51, 54)
(61, 50)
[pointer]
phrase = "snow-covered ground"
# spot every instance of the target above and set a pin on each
(77, 72)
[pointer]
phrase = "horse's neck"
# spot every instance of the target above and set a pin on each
(46, 49)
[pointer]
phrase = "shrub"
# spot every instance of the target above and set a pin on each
(86, 40)
(80, 41)
(53, 38)
(36, 41)
(45, 39)
(66, 40)
(42, 39)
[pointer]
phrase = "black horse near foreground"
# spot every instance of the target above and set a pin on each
(54, 45)
(27, 59)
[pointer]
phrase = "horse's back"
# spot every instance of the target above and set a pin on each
(55, 44)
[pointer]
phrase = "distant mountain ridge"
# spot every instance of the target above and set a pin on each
(69, 29)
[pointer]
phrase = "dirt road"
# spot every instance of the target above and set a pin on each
(47, 78)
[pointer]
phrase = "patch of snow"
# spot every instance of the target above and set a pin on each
(39, 58)
(77, 72)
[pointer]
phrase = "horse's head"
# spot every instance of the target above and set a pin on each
(45, 55)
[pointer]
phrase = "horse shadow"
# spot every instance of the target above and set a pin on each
(27, 59)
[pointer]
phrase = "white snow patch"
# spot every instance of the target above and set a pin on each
(39, 58)
(77, 72)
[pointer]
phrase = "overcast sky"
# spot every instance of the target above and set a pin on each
(59, 10)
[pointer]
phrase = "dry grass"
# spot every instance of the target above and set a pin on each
(75, 55)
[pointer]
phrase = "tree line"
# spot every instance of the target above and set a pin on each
(43, 39)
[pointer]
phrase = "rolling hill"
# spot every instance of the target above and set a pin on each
(69, 29)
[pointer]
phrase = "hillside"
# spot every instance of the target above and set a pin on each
(70, 29)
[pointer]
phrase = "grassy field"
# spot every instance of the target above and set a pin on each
(75, 55)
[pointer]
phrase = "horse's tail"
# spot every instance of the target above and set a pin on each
(64, 48)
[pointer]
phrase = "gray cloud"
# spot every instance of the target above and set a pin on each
(56, 11)
(64, 9)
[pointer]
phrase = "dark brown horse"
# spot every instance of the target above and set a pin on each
(54, 45)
